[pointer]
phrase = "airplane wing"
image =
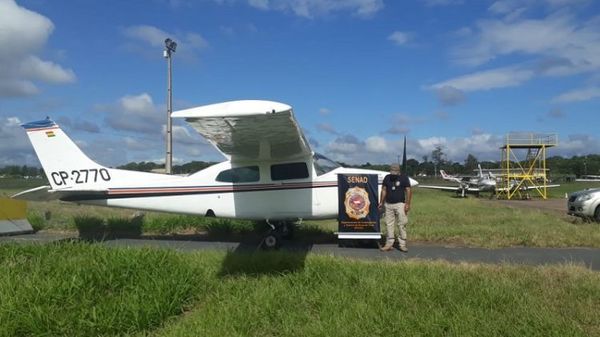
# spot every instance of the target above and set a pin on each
(46, 193)
(449, 188)
(249, 129)
(528, 187)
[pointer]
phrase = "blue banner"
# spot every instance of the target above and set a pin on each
(357, 203)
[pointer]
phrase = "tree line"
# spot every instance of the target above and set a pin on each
(430, 165)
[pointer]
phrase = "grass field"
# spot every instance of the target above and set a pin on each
(80, 289)
(436, 217)
(74, 289)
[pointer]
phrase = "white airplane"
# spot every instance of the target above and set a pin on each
(270, 173)
(467, 184)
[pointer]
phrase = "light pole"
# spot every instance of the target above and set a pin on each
(170, 47)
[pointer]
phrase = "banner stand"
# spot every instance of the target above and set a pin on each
(358, 214)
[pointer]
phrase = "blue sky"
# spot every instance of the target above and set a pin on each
(360, 74)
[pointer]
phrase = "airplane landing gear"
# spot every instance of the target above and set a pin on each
(279, 231)
(271, 241)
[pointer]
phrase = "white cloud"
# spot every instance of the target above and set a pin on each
(324, 111)
(576, 145)
(376, 144)
(135, 113)
(345, 145)
(434, 3)
(327, 128)
(558, 36)
(183, 135)
(15, 148)
(260, 4)
(578, 95)
(26, 32)
(486, 80)
(189, 44)
(401, 123)
(400, 38)
(34, 68)
(314, 8)
(449, 95)
(148, 34)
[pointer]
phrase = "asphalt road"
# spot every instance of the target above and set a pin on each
(589, 257)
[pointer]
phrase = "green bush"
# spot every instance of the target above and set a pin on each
(37, 221)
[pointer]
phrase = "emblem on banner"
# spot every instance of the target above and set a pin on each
(357, 203)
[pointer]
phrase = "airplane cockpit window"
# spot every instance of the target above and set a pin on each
(246, 174)
(323, 164)
(289, 171)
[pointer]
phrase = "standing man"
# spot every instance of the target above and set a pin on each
(396, 196)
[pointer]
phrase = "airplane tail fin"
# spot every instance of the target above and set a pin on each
(68, 168)
(70, 172)
(63, 162)
(480, 170)
(443, 173)
(65, 165)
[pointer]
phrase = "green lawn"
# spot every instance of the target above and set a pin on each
(73, 289)
(439, 217)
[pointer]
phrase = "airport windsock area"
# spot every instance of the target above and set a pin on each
(76, 289)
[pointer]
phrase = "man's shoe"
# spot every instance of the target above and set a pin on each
(403, 249)
(386, 248)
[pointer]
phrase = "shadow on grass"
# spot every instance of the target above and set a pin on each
(226, 230)
(248, 235)
(247, 260)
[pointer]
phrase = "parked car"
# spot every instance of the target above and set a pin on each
(585, 204)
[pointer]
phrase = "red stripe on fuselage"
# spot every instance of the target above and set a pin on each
(217, 189)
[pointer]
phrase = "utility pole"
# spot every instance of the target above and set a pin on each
(170, 47)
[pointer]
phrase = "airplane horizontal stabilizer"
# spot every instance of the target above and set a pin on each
(46, 193)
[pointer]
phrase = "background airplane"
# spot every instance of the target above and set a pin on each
(467, 184)
(270, 174)
(481, 183)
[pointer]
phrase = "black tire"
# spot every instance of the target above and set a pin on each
(597, 214)
(271, 242)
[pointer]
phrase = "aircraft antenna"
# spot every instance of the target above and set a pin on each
(404, 165)
(170, 47)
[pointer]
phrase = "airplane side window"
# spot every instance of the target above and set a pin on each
(245, 174)
(289, 171)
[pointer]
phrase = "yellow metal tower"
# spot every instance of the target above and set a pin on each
(519, 175)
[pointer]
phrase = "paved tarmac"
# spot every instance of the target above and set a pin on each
(589, 257)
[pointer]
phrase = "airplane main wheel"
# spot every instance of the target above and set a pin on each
(271, 241)
(597, 214)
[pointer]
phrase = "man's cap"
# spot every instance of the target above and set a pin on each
(395, 168)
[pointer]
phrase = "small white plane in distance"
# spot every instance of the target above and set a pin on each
(467, 184)
(271, 172)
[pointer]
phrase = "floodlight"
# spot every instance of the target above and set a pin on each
(170, 45)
